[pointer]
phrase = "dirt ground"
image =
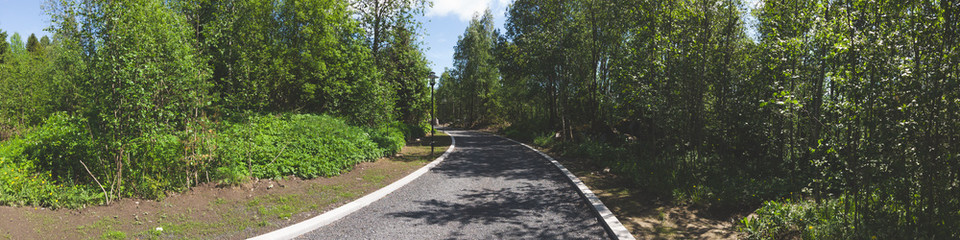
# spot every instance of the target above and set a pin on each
(216, 212)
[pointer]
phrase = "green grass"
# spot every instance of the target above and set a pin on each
(374, 178)
(114, 235)
(103, 225)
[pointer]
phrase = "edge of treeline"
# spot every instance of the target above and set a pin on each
(140, 98)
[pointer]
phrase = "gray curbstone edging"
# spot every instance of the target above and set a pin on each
(331, 216)
(610, 221)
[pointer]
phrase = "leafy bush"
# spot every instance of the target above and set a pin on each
(54, 164)
(159, 166)
(390, 138)
(58, 145)
(303, 145)
(63, 151)
(40, 168)
(545, 140)
(21, 183)
(412, 131)
(523, 131)
(807, 220)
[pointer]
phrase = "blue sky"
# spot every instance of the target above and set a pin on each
(447, 20)
(24, 17)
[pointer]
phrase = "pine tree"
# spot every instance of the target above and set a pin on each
(44, 42)
(32, 44)
(4, 46)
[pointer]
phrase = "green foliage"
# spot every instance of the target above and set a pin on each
(44, 42)
(391, 138)
(412, 131)
(33, 45)
(406, 69)
(125, 99)
(467, 92)
(28, 94)
(57, 146)
(146, 76)
(270, 55)
(546, 140)
(306, 146)
(114, 235)
(4, 45)
(161, 166)
(391, 33)
(828, 100)
(21, 183)
(806, 220)
(37, 168)
(526, 131)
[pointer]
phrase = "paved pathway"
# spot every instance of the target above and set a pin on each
(488, 188)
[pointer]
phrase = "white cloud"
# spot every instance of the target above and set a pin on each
(465, 9)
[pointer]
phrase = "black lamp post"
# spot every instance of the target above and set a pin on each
(433, 81)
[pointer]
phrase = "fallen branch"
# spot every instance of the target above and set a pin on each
(106, 199)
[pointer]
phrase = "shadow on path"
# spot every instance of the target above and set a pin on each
(483, 156)
(522, 207)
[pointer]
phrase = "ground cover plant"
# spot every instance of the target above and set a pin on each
(305, 146)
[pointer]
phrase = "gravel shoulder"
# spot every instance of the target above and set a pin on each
(488, 187)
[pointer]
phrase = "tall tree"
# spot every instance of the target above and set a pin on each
(406, 69)
(391, 33)
(4, 45)
(380, 17)
(475, 67)
(44, 42)
(33, 45)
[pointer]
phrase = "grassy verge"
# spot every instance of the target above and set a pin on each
(209, 211)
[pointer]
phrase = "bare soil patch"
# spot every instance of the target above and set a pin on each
(218, 212)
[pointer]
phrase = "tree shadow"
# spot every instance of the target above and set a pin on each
(529, 211)
(484, 156)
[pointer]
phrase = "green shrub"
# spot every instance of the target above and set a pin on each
(40, 168)
(158, 165)
(389, 138)
(412, 131)
(21, 183)
(528, 130)
(804, 219)
(54, 164)
(58, 145)
(303, 145)
(545, 140)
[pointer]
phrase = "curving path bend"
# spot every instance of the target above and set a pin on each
(487, 188)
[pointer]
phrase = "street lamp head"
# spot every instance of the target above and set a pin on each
(433, 78)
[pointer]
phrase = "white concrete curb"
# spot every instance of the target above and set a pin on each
(610, 221)
(331, 216)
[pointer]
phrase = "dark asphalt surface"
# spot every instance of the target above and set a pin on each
(487, 188)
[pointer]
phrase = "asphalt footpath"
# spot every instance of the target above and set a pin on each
(487, 188)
